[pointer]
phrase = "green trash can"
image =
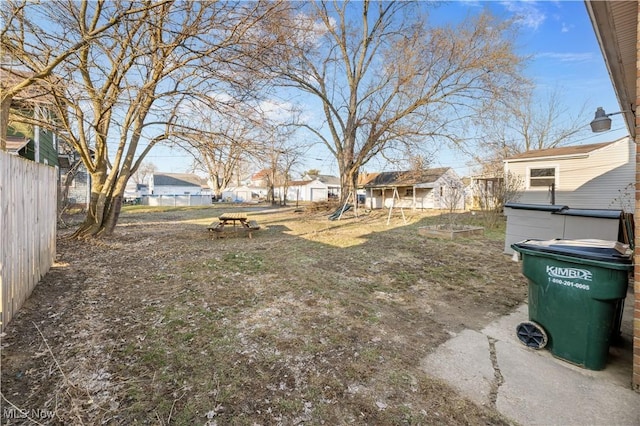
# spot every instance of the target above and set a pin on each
(576, 294)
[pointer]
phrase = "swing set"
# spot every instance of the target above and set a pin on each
(395, 197)
(353, 198)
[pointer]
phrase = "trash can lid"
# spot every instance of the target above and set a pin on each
(597, 213)
(592, 249)
(538, 207)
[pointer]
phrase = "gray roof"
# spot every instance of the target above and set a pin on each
(401, 178)
(560, 151)
(176, 179)
(329, 180)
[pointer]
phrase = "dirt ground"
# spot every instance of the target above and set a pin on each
(311, 321)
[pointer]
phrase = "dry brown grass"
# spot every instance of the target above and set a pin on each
(311, 321)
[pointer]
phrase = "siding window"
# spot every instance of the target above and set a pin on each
(542, 177)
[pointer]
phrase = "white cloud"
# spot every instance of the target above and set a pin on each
(277, 111)
(310, 31)
(567, 57)
(527, 13)
(473, 3)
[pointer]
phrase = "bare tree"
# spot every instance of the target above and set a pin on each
(123, 93)
(144, 172)
(419, 163)
(515, 126)
(290, 157)
(492, 189)
(312, 173)
(281, 154)
(220, 145)
(64, 203)
(30, 54)
(527, 123)
(385, 79)
(451, 197)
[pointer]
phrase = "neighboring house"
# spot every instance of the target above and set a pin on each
(332, 183)
(439, 188)
(260, 179)
(37, 144)
(75, 180)
(244, 194)
(28, 140)
(41, 149)
(307, 190)
(134, 192)
(595, 176)
(142, 189)
(484, 192)
(177, 184)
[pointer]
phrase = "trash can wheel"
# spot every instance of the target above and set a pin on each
(532, 335)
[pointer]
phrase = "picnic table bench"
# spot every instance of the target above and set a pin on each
(233, 223)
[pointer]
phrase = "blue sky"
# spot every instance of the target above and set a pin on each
(558, 36)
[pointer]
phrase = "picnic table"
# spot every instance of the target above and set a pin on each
(233, 222)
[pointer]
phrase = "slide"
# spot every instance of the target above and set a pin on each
(335, 215)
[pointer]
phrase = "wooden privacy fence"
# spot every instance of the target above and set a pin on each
(28, 199)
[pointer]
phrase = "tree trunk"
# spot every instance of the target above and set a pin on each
(92, 223)
(348, 184)
(111, 218)
(93, 226)
(104, 207)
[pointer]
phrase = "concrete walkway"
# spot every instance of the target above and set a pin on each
(531, 387)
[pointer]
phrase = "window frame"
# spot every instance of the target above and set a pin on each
(556, 177)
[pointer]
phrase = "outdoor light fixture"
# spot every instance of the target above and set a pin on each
(601, 121)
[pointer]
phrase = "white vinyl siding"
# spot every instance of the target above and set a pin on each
(601, 179)
(311, 191)
(175, 190)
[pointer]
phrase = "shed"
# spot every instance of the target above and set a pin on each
(436, 188)
(594, 176)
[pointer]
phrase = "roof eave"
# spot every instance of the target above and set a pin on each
(615, 27)
(548, 158)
